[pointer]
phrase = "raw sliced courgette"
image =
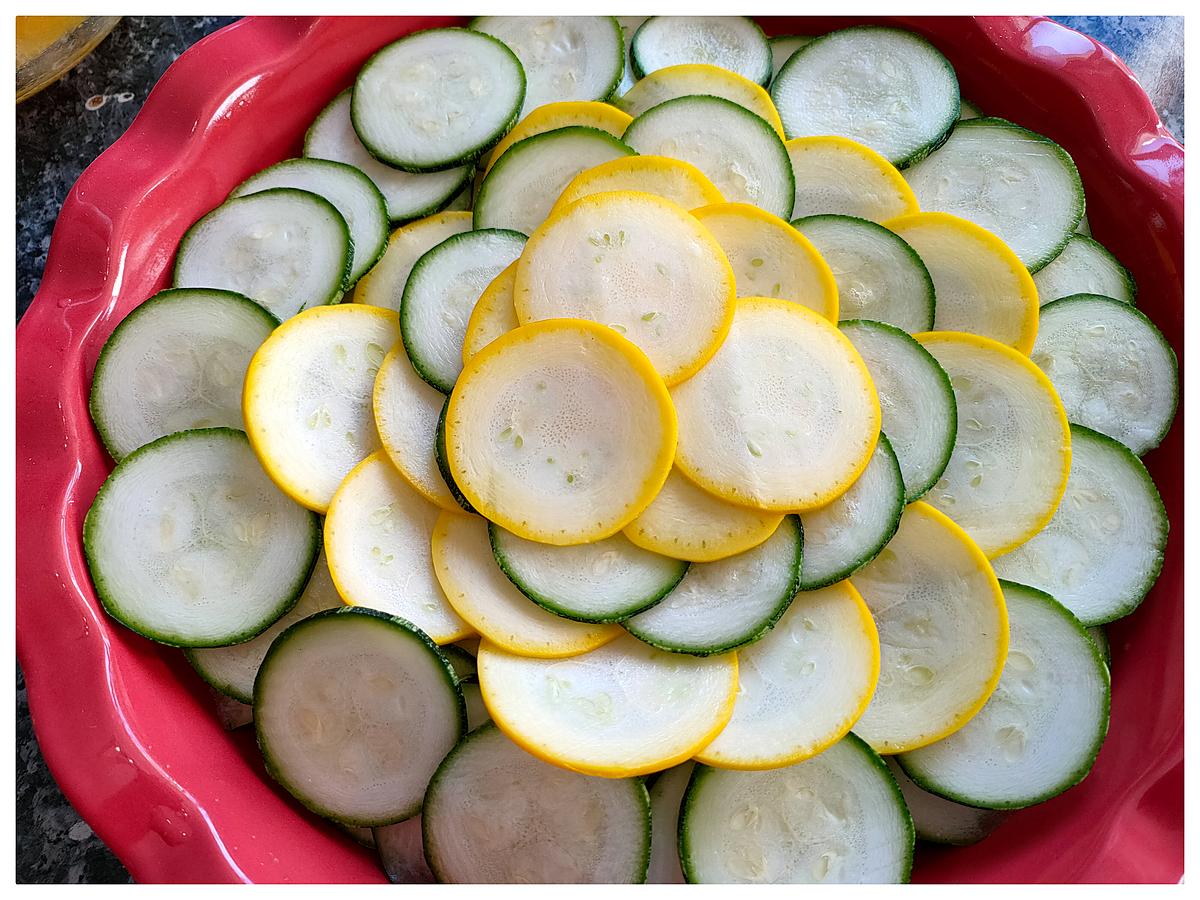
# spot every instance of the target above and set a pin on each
(886, 88)
(672, 179)
(845, 535)
(666, 798)
(700, 78)
(384, 284)
(879, 275)
(604, 581)
(563, 114)
(285, 249)
(440, 293)
(1039, 733)
(1113, 368)
(1084, 267)
(836, 818)
(436, 99)
(175, 363)
(837, 176)
(740, 152)
(188, 543)
(494, 814)
(942, 821)
(920, 416)
(494, 314)
(1102, 552)
(720, 606)
(329, 724)
(735, 43)
(1020, 186)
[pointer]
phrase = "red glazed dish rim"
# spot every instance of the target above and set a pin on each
(97, 693)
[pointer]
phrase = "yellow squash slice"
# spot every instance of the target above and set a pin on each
(1012, 454)
(639, 264)
(307, 397)
(560, 432)
(982, 287)
(673, 179)
(377, 536)
(700, 78)
(620, 710)
(493, 314)
(384, 284)
(687, 522)
(406, 415)
(481, 593)
(843, 177)
(770, 258)
(785, 416)
(943, 632)
(551, 116)
(803, 685)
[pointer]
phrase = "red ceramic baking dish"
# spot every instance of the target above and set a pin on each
(125, 725)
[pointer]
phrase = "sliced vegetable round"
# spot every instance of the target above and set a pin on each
(841, 538)
(307, 398)
(887, 88)
(943, 632)
(560, 432)
(231, 670)
(1113, 368)
(837, 176)
(720, 606)
(285, 249)
(685, 521)
(735, 43)
(406, 415)
(175, 363)
(401, 852)
(802, 687)
(442, 291)
(1100, 638)
(552, 116)
(666, 798)
(1102, 552)
(982, 287)
(770, 258)
(1042, 728)
(1012, 453)
(784, 417)
(443, 463)
(920, 416)
(739, 151)
(384, 284)
(189, 544)
(622, 709)
(478, 589)
(690, 79)
(836, 818)
(671, 179)
(604, 581)
(354, 710)
(494, 814)
(783, 46)
(564, 57)
(1084, 267)
(943, 821)
(522, 186)
(408, 195)
(493, 315)
(879, 276)
(377, 536)
(638, 264)
(1020, 186)
(351, 192)
(436, 99)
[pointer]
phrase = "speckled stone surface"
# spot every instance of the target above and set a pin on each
(58, 136)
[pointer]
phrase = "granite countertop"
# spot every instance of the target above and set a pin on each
(61, 130)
